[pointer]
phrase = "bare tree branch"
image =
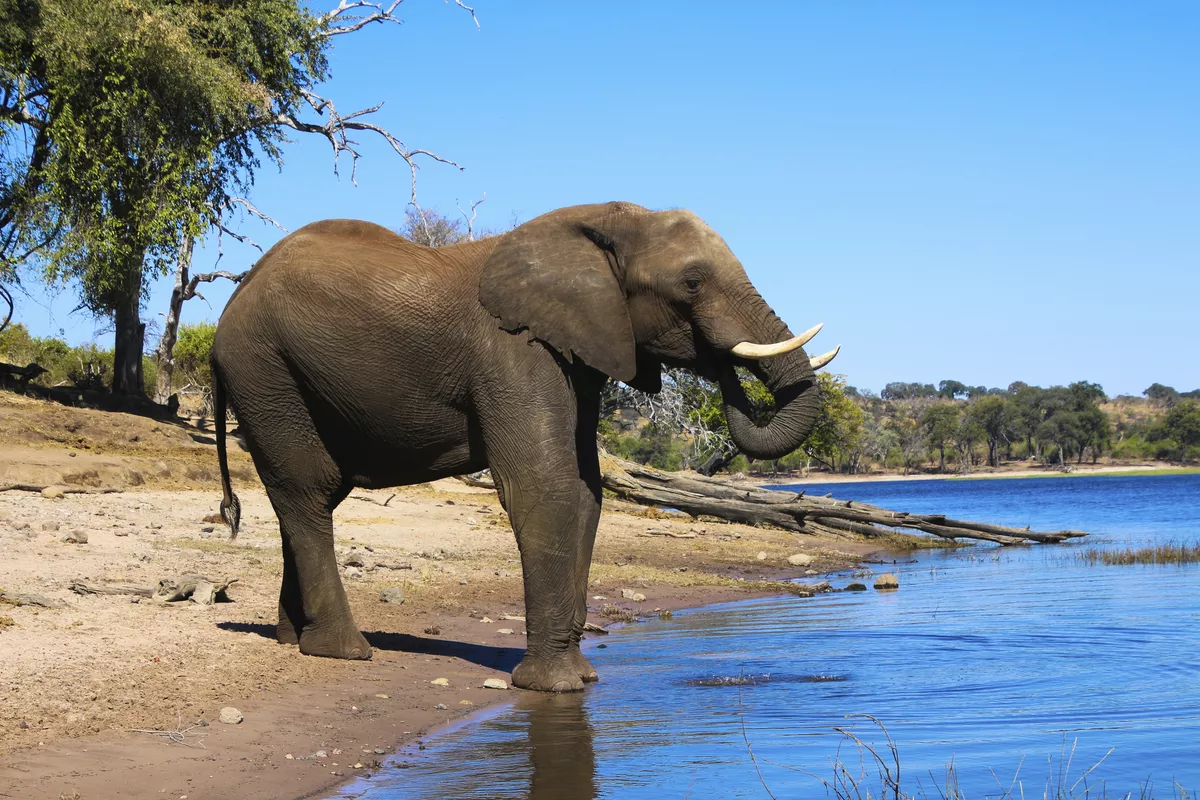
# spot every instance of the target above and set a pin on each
(252, 210)
(470, 10)
(6, 297)
(209, 277)
(354, 22)
(471, 219)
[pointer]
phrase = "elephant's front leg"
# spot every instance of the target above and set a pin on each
(544, 506)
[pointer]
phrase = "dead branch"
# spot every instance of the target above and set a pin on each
(33, 487)
(698, 495)
(471, 219)
(79, 587)
(180, 734)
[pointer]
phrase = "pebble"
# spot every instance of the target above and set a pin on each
(506, 631)
(887, 581)
(120, 533)
(440, 682)
(54, 493)
(393, 595)
(441, 707)
(855, 587)
(495, 683)
(353, 572)
(486, 620)
(50, 526)
(465, 703)
(321, 754)
(382, 696)
(630, 594)
(230, 715)
(762, 555)
(800, 559)
(599, 597)
(207, 529)
(290, 757)
(76, 537)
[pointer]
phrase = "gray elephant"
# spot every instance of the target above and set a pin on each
(355, 358)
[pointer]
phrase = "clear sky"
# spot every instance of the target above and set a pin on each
(982, 192)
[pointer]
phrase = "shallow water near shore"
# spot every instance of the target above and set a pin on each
(1002, 660)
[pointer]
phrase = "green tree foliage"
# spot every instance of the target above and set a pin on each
(1182, 426)
(940, 424)
(907, 391)
(193, 351)
(995, 417)
(1163, 395)
(838, 432)
(147, 114)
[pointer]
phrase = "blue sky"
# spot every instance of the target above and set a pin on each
(982, 192)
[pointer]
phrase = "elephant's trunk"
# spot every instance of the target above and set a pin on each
(792, 382)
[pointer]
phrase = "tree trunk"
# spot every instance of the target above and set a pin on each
(718, 461)
(130, 333)
(166, 343)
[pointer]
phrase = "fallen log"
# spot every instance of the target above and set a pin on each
(34, 487)
(697, 495)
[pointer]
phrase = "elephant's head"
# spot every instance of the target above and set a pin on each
(627, 290)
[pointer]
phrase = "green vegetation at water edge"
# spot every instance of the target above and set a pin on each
(1162, 553)
(1116, 473)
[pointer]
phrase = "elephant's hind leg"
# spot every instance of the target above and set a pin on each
(304, 485)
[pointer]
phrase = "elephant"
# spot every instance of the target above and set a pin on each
(352, 357)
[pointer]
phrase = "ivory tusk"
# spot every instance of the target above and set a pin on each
(757, 351)
(821, 360)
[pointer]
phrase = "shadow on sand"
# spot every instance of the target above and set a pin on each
(500, 658)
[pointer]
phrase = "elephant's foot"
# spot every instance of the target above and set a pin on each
(285, 632)
(335, 641)
(583, 666)
(560, 674)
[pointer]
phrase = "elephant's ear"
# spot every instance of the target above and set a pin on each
(558, 279)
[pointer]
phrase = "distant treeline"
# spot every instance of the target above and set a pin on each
(952, 427)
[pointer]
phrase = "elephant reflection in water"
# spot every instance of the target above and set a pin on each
(560, 747)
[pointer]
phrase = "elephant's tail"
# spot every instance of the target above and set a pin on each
(231, 507)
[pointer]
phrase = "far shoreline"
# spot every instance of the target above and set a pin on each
(1085, 471)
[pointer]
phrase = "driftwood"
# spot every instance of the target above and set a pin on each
(33, 487)
(197, 588)
(698, 495)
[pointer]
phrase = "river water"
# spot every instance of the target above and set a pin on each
(1022, 666)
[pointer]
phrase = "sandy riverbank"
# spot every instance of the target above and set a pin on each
(77, 679)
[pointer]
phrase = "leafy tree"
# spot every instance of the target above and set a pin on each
(1062, 430)
(193, 352)
(1182, 424)
(966, 434)
(145, 119)
(1095, 431)
(994, 416)
(839, 426)
(907, 391)
(952, 390)
(1163, 395)
(940, 422)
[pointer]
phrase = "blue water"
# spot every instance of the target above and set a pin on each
(1022, 666)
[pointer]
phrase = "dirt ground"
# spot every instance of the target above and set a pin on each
(82, 677)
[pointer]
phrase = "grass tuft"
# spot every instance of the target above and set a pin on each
(1170, 552)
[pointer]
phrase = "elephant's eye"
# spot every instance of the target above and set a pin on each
(692, 283)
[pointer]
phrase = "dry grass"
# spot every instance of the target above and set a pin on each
(1171, 552)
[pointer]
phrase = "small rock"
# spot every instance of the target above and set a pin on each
(486, 620)
(54, 492)
(505, 631)
(887, 581)
(155, 526)
(337, 751)
(135, 599)
(358, 765)
(120, 533)
(353, 561)
(465, 703)
(462, 582)
(50, 526)
(382, 696)
(599, 597)
(76, 537)
(800, 559)
(230, 715)
(441, 706)
(393, 595)
(290, 757)
(320, 754)
(495, 683)
(503, 573)
(855, 587)
(762, 555)
(379, 751)
(440, 682)
(353, 572)
(630, 594)
(207, 529)
(205, 534)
